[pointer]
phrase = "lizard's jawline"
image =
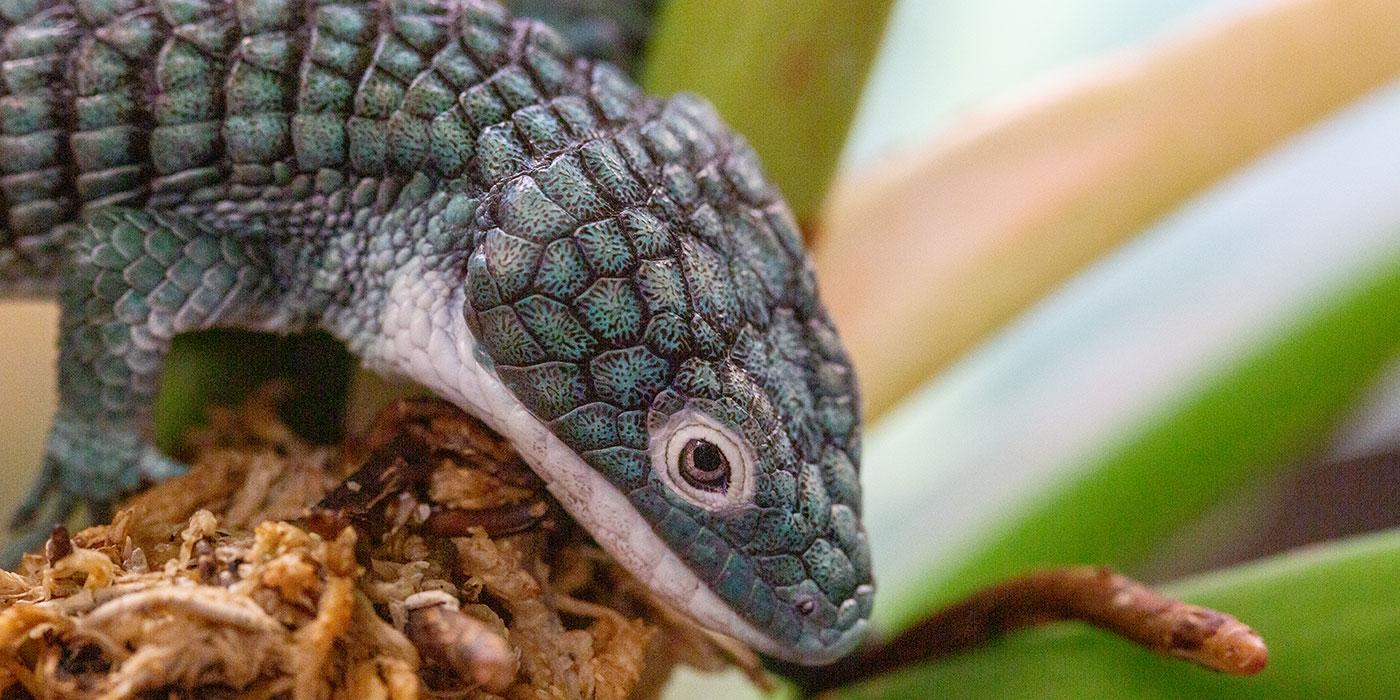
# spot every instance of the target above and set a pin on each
(425, 303)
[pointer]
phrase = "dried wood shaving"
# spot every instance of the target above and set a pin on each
(434, 566)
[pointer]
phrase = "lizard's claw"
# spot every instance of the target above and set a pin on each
(43, 489)
(27, 541)
(84, 465)
(156, 467)
(47, 503)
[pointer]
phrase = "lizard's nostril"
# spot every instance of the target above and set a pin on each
(806, 607)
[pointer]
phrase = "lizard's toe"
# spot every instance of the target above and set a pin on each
(42, 491)
(29, 529)
(156, 467)
(84, 465)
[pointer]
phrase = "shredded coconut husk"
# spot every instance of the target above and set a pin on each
(423, 560)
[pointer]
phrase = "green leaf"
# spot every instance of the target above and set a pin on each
(221, 367)
(943, 245)
(1263, 412)
(785, 73)
(1222, 344)
(1328, 615)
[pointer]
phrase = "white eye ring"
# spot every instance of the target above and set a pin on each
(668, 447)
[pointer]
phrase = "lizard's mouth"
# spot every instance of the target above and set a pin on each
(818, 654)
(621, 530)
(625, 534)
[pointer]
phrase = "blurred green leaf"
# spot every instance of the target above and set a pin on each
(944, 244)
(220, 367)
(1265, 411)
(1129, 343)
(786, 74)
(1328, 615)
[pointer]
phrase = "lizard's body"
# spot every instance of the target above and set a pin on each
(606, 279)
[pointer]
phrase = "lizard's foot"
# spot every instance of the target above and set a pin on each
(89, 466)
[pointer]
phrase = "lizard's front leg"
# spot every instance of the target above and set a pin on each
(136, 280)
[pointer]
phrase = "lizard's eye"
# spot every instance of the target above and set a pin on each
(703, 461)
(704, 466)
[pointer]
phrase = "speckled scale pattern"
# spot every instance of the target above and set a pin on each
(651, 266)
(137, 278)
(36, 181)
(282, 165)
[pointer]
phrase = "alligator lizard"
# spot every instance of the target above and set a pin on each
(605, 278)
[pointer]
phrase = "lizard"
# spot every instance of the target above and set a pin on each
(606, 278)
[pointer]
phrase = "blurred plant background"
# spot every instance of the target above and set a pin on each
(1121, 280)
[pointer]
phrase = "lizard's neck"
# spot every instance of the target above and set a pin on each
(365, 279)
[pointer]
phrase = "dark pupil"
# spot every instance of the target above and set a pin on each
(704, 465)
(708, 457)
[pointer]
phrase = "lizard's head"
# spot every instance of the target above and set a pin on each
(751, 477)
(701, 414)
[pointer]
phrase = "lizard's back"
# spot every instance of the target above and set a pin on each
(272, 116)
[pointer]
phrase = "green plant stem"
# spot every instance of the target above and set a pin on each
(786, 74)
(1262, 413)
(1328, 615)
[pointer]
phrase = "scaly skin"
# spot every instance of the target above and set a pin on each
(605, 278)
